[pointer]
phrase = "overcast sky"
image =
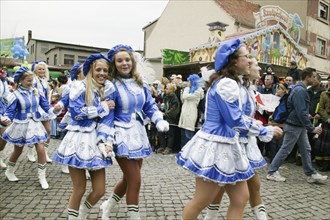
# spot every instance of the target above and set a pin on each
(91, 23)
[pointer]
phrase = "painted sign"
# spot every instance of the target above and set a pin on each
(271, 45)
(174, 57)
(270, 14)
(6, 46)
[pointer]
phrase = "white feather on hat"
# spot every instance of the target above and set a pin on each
(144, 68)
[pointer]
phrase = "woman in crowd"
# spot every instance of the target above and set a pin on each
(214, 154)
(190, 98)
(40, 82)
(323, 144)
(6, 98)
(249, 145)
(133, 102)
(86, 146)
(26, 128)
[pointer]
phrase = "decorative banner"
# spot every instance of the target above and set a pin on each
(13, 48)
(173, 57)
(270, 13)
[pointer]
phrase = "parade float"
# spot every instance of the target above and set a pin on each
(273, 41)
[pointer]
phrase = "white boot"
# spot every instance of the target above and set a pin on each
(10, 172)
(48, 160)
(42, 176)
(2, 164)
(133, 212)
(72, 214)
(212, 212)
(110, 205)
(30, 154)
(65, 169)
(84, 210)
(260, 212)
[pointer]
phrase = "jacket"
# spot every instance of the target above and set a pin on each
(298, 106)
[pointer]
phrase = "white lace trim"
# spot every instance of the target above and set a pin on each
(81, 128)
(216, 138)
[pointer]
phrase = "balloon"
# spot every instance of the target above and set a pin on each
(26, 52)
(16, 68)
(21, 57)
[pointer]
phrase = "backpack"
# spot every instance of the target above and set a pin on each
(281, 112)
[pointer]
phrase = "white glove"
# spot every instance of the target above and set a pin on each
(103, 149)
(163, 126)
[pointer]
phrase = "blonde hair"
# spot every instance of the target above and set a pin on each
(91, 84)
(46, 69)
(114, 74)
(24, 75)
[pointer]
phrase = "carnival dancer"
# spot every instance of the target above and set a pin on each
(133, 102)
(250, 147)
(76, 75)
(40, 82)
(6, 98)
(214, 154)
(26, 128)
(88, 143)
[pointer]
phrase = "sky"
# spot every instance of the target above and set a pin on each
(90, 23)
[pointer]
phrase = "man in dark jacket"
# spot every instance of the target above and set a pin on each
(295, 131)
(294, 72)
(171, 112)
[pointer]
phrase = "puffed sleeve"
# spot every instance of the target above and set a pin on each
(11, 110)
(77, 106)
(150, 107)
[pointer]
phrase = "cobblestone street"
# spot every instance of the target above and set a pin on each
(166, 188)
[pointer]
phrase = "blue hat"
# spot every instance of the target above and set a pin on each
(19, 73)
(73, 70)
(226, 49)
(113, 50)
(90, 59)
(35, 63)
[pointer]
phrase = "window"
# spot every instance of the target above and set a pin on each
(44, 47)
(68, 59)
(323, 11)
(32, 49)
(47, 60)
(320, 47)
(81, 59)
(55, 59)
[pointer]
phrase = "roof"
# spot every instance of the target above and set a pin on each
(240, 10)
(89, 50)
(61, 43)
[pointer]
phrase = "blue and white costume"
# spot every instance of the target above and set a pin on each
(42, 85)
(249, 143)
(26, 128)
(133, 104)
(89, 125)
(214, 153)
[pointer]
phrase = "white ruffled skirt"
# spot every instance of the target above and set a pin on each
(132, 142)
(28, 132)
(80, 150)
(215, 160)
(251, 150)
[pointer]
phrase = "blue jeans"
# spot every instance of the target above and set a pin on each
(293, 135)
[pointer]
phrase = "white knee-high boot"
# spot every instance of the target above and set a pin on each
(110, 205)
(72, 214)
(48, 159)
(212, 212)
(133, 212)
(260, 212)
(84, 210)
(10, 172)
(30, 154)
(2, 163)
(42, 176)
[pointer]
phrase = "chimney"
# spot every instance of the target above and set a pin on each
(217, 30)
(29, 35)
